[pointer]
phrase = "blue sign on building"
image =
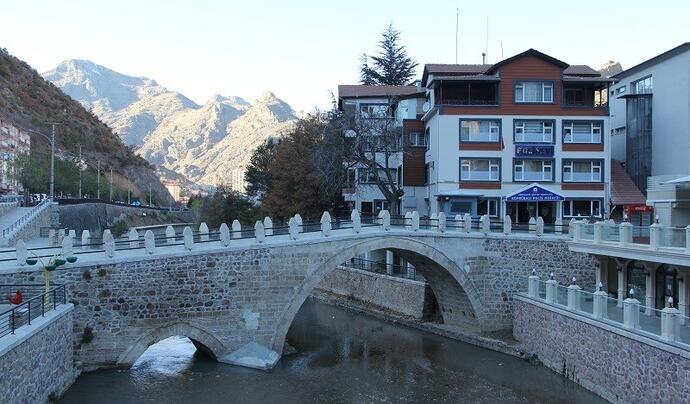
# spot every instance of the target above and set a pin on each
(534, 193)
(527, 150)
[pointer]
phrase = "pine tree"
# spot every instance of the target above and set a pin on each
(392, 65)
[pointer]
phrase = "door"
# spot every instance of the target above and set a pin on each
(367, 211)
(666, 287)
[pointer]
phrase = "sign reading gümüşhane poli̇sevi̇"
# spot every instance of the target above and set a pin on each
(533, 151)
(534, 193)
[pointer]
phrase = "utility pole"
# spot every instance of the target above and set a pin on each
(111, 184)
(149, 194)
(98, 179)
(52, 160)
(79, 165)
(128, 192)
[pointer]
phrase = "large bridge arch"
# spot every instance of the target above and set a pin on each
(202, 339)
(454, 290)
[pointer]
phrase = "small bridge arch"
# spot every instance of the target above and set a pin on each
(202, 339)
(458, 297)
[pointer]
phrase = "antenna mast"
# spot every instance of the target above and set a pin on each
(486, 47)
(457, 23)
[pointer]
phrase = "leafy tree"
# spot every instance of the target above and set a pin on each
(258, 175)
(224, 206)
(296, 186)
(392, 65)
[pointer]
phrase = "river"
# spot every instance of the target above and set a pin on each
(343, 357)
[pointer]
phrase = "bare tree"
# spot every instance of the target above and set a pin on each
(366, 140)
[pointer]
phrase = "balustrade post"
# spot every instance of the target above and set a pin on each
(654, 236)
(326, 223)
(485, 224)
(507, 225)
(539, 228)
(600, 307)
(468, 222)
(259, 231)
(458, 222)
(170, 234)
(415, 221)
(631, 312)
(108, 243)
(293, 228)
(598, 231)
(188, 237)
(558, 226)
(533, 285)
(574, 297)
(22, 252)
(149, 242)
(670, 324)
(133, 237)
(357, 221)
(625, 233)
(299, 222)
(687, 239)
(551, 290)
(442, 222)
(224, 234)
(203, 232)
(268, 226)
(408, 220)
(532, 225)
(85, 239)
(236, 229)
(572, 225)
(385, 217)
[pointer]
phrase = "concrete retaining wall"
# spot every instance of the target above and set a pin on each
(36, 363)
(402, 296)
(618, 365)
(32, 229)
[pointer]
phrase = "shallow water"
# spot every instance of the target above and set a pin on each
(343, 357)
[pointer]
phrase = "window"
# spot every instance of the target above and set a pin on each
(620, 90)
(488, 207)
(533, 170)
(417, 139)
(367, 176)
(534, 91)
(351, 176)
(479, 169)
(534, 131)
(374, 111)
(461, 207)
(582, 171)
(426, 173)
(380, 204)
(480, 131)
(574, 96)
(582, 132)
(641, 86)
(428, 138)
(582, 207)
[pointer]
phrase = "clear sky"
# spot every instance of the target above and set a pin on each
(301, 50)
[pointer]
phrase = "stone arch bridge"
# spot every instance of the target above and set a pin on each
(239, 298)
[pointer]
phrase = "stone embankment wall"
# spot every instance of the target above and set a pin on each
(96, 217)
(36, 363)
(620, 366)
(401, 296)
(32, 229)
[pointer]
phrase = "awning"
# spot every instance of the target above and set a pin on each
(534, 193)
(681, 180)
(461, 192)
(623, 189)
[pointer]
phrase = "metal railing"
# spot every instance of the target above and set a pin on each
(27, 217)
(398, 271)
(33, 307)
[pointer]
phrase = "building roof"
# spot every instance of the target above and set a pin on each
(656, 59)
(623, 189)
(366, 91)
(469, 71)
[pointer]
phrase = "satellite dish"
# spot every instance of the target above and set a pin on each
(426, 107)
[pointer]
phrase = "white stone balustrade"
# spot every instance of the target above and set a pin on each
(326, 224)
(631, 313)
(170, 234)
(625, 233)
(600, 307)
(539, 227)
(558, 226)
(687, 239)
(442, 222)
(268, 226)
(468, 222)
(533, 286)
(507, 225)
(224, 234)
(551, 291)
(654, 236)
(203, 232)
(72, 233)
(149, 242)
(408, 220)
(532, 225)
(299, 223)
(670, 324)
(485, 223)
(259, 231)
(85, 239)
(188, 237)
(356, 221)
(571, 227)
(599, 231)
(22, 252)
(133, 237)
(574, 297)
(68, 246)
(415, 221)
(293, 228)
(108, 243)
(459, 222)
(385, 217)
(236, 229)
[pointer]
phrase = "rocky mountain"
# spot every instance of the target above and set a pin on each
(203, 143)
(132, 106)
(610, 68)
(29, 101)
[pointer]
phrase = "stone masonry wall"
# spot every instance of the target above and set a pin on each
(402, 296)
(617, 367)
(32, 229)
(41, 365)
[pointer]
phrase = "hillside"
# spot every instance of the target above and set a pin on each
(29, 101)
(201, 143)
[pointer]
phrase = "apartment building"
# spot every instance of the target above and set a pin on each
(399, 106)
(13, 142)
(650, 129)
(524, 137)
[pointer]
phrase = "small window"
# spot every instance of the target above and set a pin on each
(582, 207)
(479, 169)
(533, 170)
(374, 111)
(582, 171)
(534, 91)
(620, 90)
(480, 131)
(428, 138)
(641, 86)
(417, 139)
(534, 131)
(488, 207)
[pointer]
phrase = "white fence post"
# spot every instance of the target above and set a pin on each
(442, 222)
(600, 307)
(203, 232)
(654, 236)
(170, 234)
(574, 297)
(326, 224)
(85, 239)
(259, 231)
(551, 290)
(236, 229)
(539, 228)
(22, 252)
(485, 224)
(356, 221)
(133, 237)
(408, 220)
(631, 313)
(625, 233)
(299, 223)
(188, 237)
(268, 226)
(149, 242)
(558, 226)
(532, 225)
(224, 234)
(507, 225)
(68, 246)
(293, 228)
(415, 221)
(468, 222)
(108, 243)
(571, 227)
(598, 231)
(670, 326)
(533, 285)
(459, 222)
(385, 217)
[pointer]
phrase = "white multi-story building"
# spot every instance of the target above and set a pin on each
(650, 105)
(524, 137)
(13, 142)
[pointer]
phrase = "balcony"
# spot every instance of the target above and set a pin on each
(467, 93)
(585, 95)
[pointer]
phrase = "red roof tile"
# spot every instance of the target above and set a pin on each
(360, 90)
(623, 189)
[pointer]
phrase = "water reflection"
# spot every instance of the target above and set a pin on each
(343, 357)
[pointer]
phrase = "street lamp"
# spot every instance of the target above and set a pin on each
(51, 139)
